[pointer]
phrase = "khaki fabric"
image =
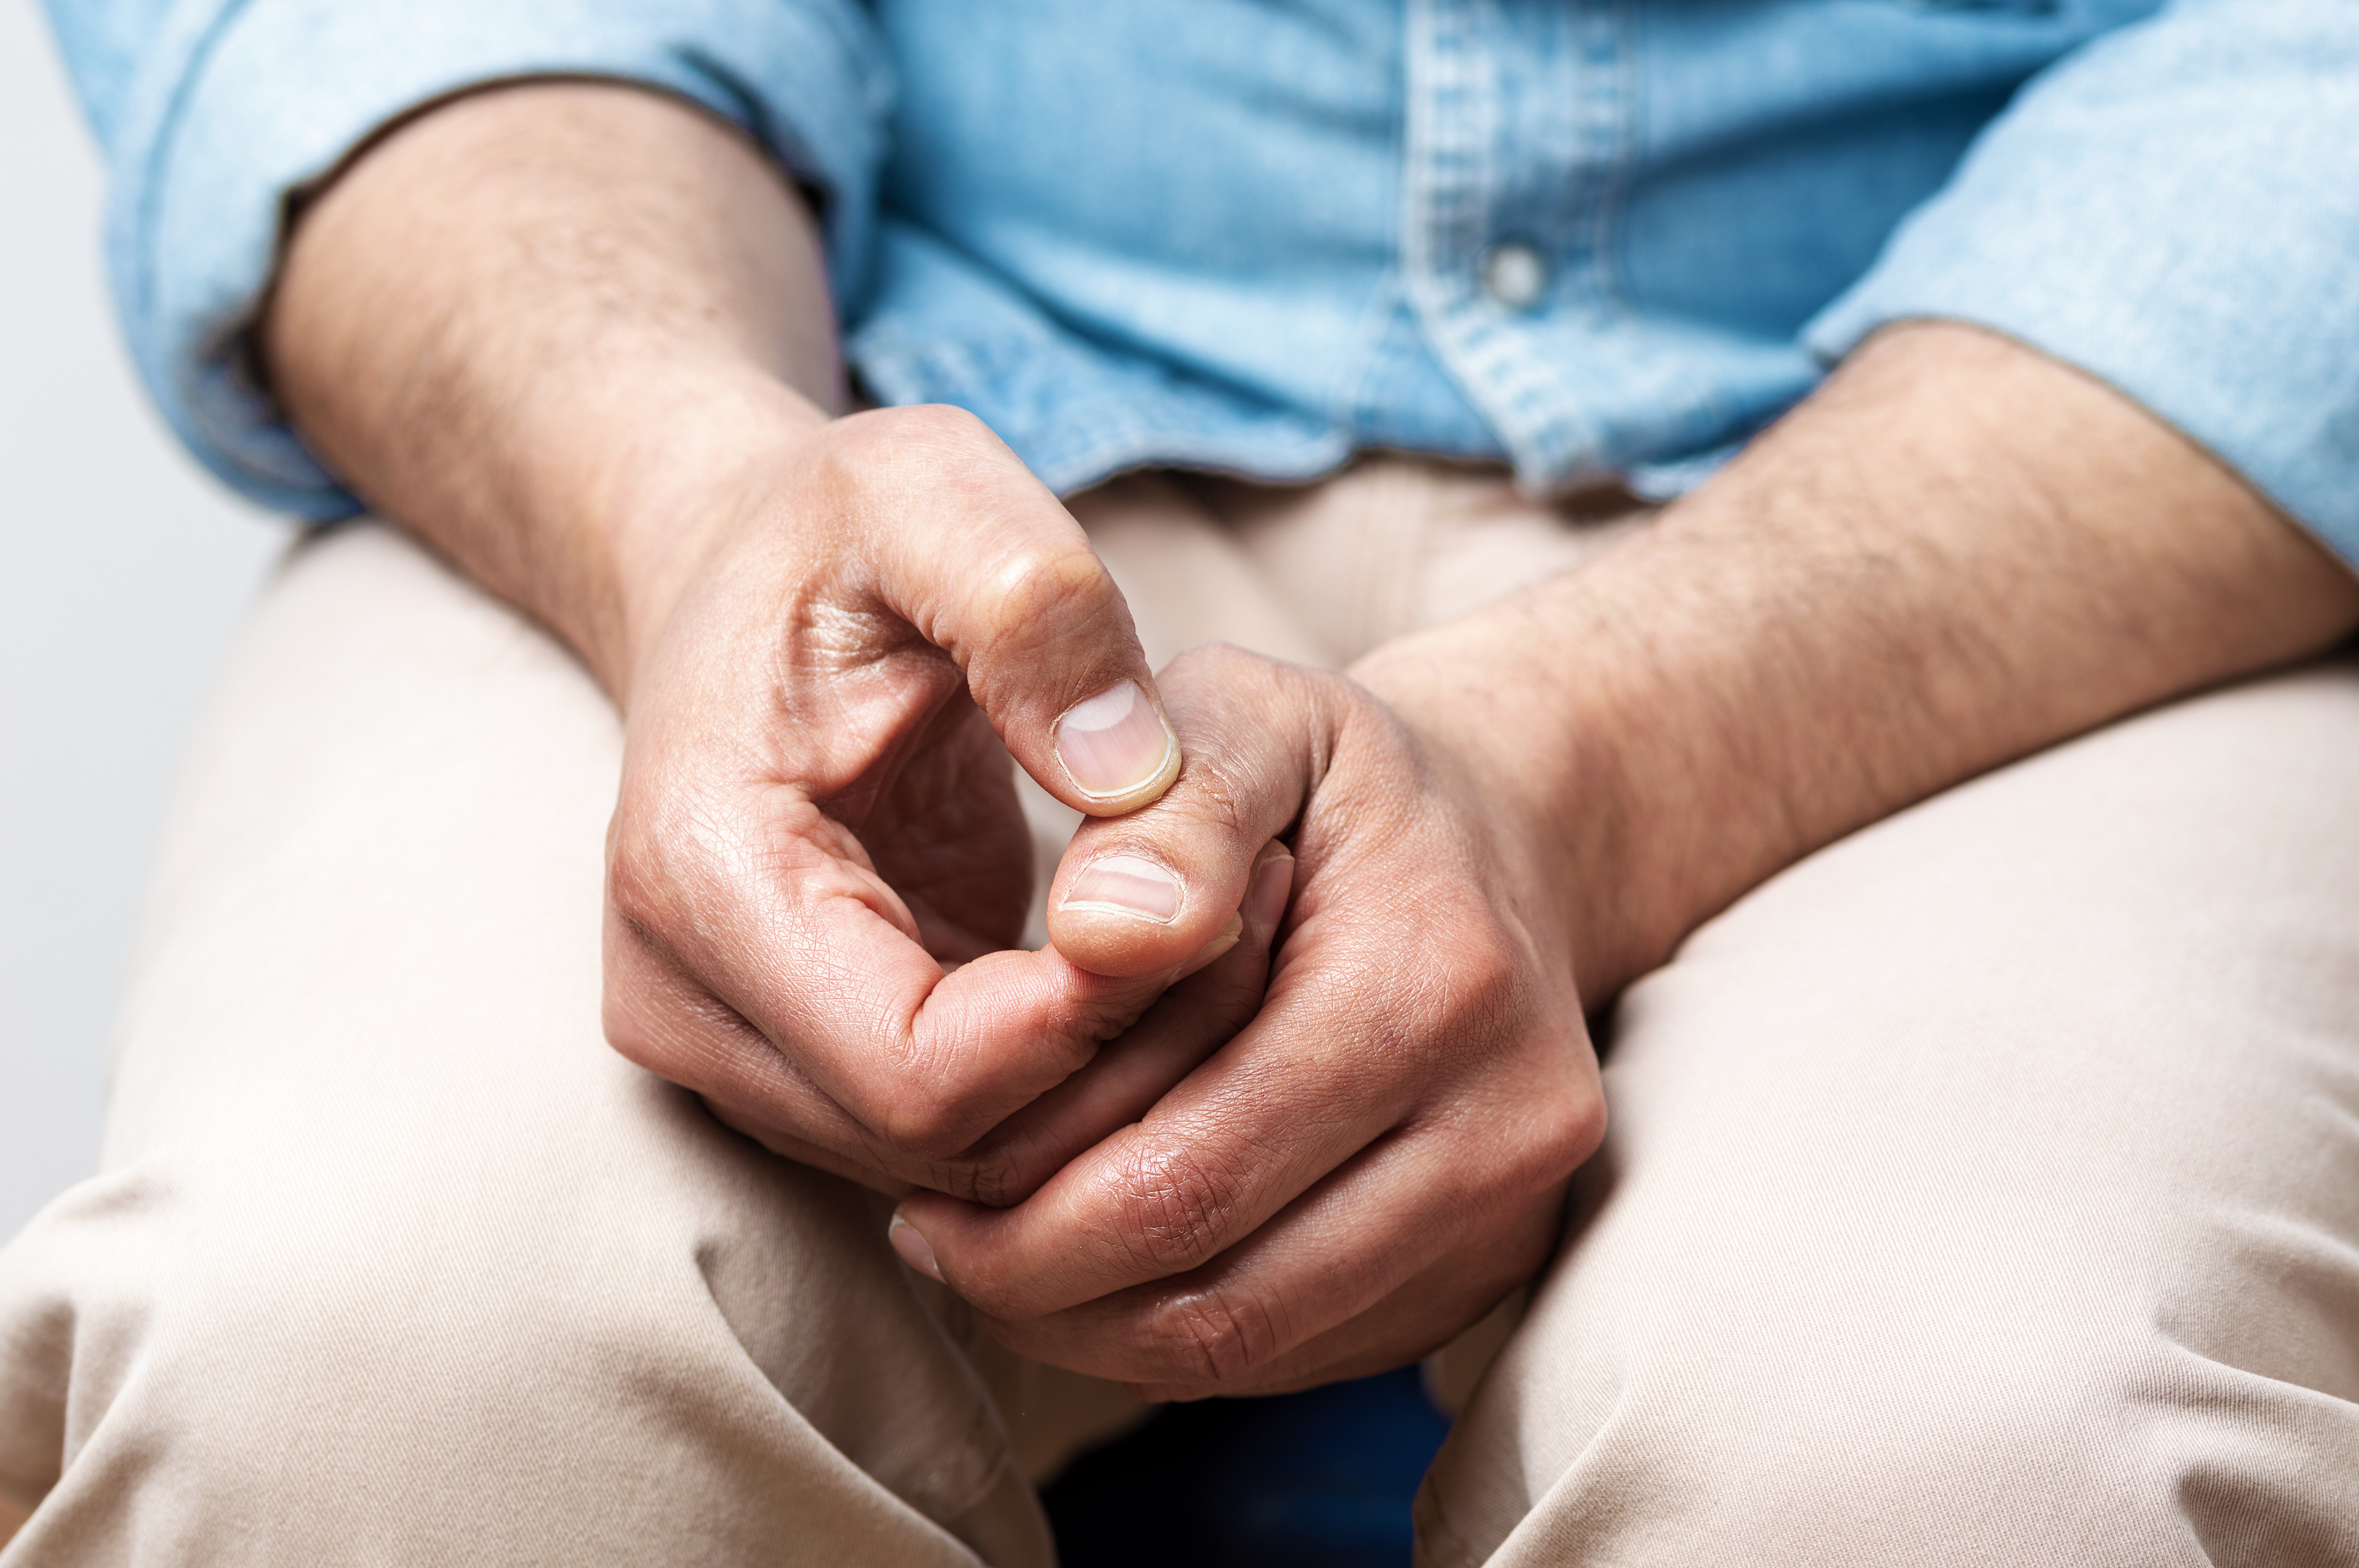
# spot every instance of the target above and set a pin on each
(1984, 1189)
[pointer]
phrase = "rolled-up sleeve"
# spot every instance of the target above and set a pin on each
(212, 111)
(2175, 209)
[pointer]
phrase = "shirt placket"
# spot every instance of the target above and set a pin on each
(1518, 132)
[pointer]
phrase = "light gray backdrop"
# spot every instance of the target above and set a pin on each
(121, 571)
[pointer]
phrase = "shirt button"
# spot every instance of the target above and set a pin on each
(1513, 276)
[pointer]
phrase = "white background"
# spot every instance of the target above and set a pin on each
(123, 570)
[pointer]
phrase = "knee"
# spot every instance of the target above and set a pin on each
(1884, 1446)
(412, 1364)
(343, 1312)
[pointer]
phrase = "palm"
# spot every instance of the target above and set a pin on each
(949, 836)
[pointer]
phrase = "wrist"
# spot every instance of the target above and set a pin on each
(1605, 755)
(1489, 718)
(544, 326)
(662, 489)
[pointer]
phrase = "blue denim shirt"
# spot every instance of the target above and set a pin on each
(1580, 236)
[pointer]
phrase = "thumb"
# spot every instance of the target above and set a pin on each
(1255, 729)
(999, 576)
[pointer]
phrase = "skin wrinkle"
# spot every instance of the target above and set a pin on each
(1190, 1024)
(913, 711)
(966, 903)
(1176, 1204)
(1149, 1312)
(1233, 1331)
(1164, 1153)
(881, 1022)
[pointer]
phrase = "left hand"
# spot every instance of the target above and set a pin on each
(1381, 1154)
(1954, 553)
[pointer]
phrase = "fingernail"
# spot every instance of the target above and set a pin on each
(914, 1248)
(1114, 744)
(1272, 881)
(1213, 949)
(1125, 884)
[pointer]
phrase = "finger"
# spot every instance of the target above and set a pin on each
(754, 1089)
(676, 1026)
(1003, 580)
(1243, 1136)
(1352, 1243)
(1396, 966)
(1424, 1313)
(1191, 1021)
(1187, 1024)
(1253, 728)
(821, 959)
(704, 1046)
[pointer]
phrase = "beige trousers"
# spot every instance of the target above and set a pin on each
(1984, 1190)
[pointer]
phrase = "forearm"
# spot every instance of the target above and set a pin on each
(1956, 554)
(542, 327)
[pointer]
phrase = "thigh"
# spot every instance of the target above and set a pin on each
(1984, 1189)
(1394, 543)
(393, 1259)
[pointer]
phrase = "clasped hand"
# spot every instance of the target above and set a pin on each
(1256, 1116)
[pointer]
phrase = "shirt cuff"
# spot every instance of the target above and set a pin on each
(2174, 209)
(237, 105)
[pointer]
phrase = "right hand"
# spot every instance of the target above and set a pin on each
(578, 336)
(817, 866)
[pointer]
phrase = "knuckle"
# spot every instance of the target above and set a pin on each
(1176, 1207)
(640, 902)
(661, 847)
(940, 424)
(846, 456)
(1571, 1125)
(1214, 790)
(991, 1181)
(920, 1124)
(1555, 1126)
(1212, 1335)
(629, 1031)
(1241, 676)
(636, 882)
(870, 445)
(1549, 1143)
(875, 465)
(1215, 660)
(1036, 584)
(1580, 1128)
(1481, 995)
